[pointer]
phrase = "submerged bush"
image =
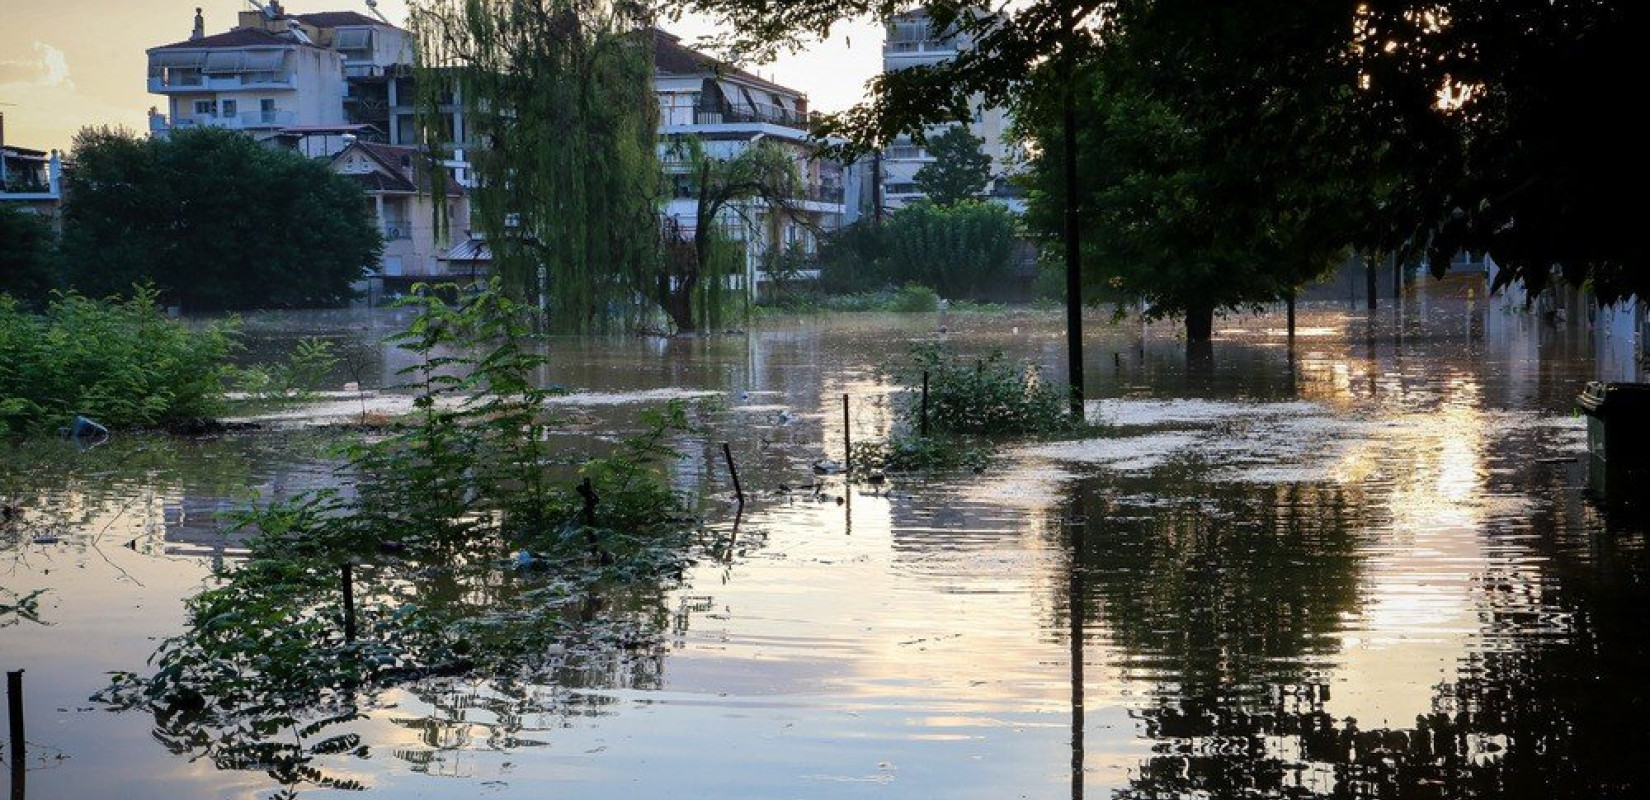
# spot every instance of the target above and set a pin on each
(121, 363)
(473, 550)
(989, 395)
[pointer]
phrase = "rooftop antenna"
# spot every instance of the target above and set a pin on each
(372, 5)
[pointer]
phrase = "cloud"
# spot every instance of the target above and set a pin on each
(49, 67)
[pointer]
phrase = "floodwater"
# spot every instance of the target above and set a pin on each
(1363, 566)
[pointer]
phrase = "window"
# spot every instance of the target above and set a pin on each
(206, 108)
(229, 108)
(266, 109)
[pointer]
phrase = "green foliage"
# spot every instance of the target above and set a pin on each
(121, 363)
(297, 377)
(986, 396)
(960, 170)
(906, 453)
(213, 220)
(911, 298)
(471, 556)
(1193, 202)
(963, 251)
(26, 267)
(559, 93)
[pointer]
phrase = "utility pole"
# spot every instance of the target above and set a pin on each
(1074, 273)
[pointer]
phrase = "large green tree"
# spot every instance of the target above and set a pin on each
(1494, 122)
(560, 123)
(960, 169)
(1223, 176)
(26, 255)
(214, 220)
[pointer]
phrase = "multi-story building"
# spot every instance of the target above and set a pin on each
(914, 40)
(398, 185)
(312, 82)
(30, 179)
(730, 110)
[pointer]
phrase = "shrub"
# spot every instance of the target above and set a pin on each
(123, 364)
(988, 395)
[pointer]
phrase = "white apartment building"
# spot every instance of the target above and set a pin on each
(913, 40)
(31, 180)
(730, 110)
(312, 82)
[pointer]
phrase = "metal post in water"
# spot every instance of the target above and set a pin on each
(14, 714)
(348, 578)
(727, 453)
(924, 422)
(847, 440)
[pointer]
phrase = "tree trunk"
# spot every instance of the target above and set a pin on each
(1200, 321)
(677, 298)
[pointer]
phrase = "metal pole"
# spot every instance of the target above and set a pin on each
(727, 453)
(1074, 277)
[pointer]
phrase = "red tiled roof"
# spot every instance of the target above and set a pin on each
(339, 19)
(239, 37)
(671, 57)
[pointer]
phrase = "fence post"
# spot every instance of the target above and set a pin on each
(847, 440)
(14, 712)
(727, 453)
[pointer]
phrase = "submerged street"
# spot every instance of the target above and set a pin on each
(1361, 565)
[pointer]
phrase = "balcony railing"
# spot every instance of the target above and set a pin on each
(397, 229)
(255, 119)
(771, 115)
(195, 81)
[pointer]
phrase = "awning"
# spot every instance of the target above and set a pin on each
(177, 60)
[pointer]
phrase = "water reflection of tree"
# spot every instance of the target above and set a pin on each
(1227, 593)
(1228, 603)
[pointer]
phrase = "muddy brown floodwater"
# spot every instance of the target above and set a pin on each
(1363, 566)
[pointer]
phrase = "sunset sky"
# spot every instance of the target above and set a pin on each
(65, 64)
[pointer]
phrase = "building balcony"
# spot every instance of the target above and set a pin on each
(250, 121)
(397, 230)
(197, 83)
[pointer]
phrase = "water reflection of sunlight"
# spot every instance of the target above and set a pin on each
(1423, 596)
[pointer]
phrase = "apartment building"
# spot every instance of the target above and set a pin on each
(914, 40)
(730, 110)
(312, 82)
(31, 180)
(398, 185)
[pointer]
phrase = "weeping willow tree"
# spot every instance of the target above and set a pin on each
(746, 196)
(558, 120)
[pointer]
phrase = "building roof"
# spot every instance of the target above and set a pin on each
(473, 249)
(671, 57)
(239, 37)
(398, 160)
(340, 19)
(380, 182)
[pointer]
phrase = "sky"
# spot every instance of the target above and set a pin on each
(67, 64)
